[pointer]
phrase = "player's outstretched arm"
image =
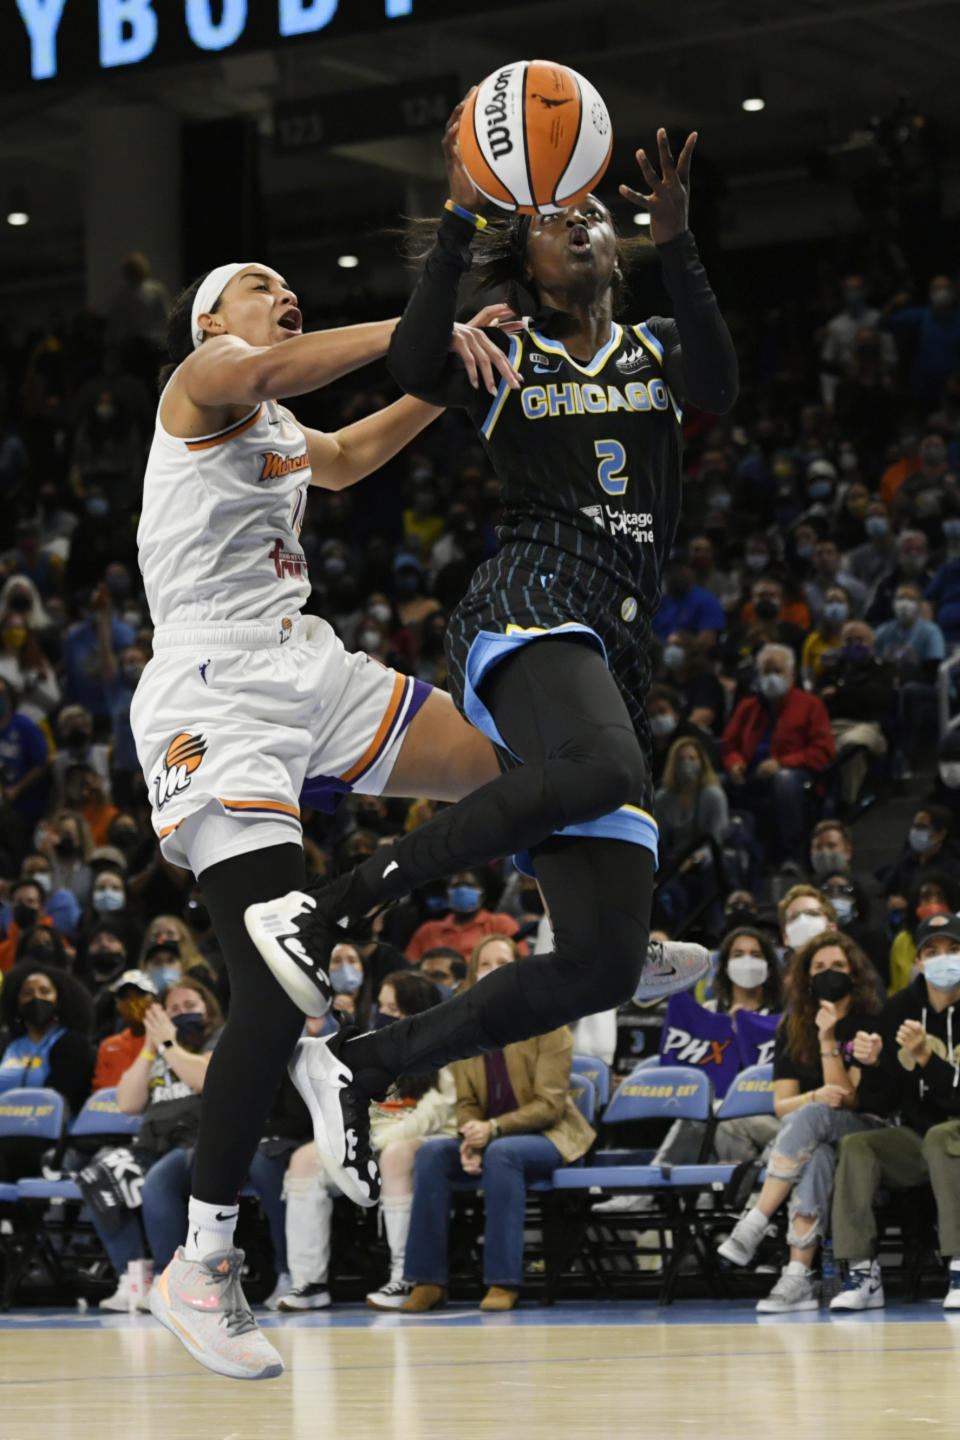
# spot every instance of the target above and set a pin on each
(225, 370)
(700, 361)
(345, 456)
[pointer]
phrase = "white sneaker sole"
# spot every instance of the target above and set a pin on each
(780, 1307)
(315, 1302)
(267, 921)
(876, 1302)
(375, 1302)
(161, 1311)
(734, 1255)
(318, 1076)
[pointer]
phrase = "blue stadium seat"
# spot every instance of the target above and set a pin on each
(596, 1070)
(36, 1116)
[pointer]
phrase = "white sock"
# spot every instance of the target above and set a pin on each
(209, 1228)
(797, 1267)
(756, 1219)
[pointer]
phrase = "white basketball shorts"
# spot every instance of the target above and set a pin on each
(241, 721)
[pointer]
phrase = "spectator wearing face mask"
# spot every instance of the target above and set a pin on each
(858, 692)
(929, 847)
(746, 978)
(75, 746)
(690, 804)
(815, 1095)
(912, 1051)
(933, 894)
(943, 591)
(22, 661)
(108, 898)
(24, 754)
(68, 844)
(26, 911)
(133, 992)
(914, 647)
(84, 793)
(820, 482)
(48, 1016)
(467, 923)
(852, 910)
(832, 853)
(121, 673)
(445, 968)
(927, 497)
(688, 607)
(840, 333)
(910, 567)
(828, 570)
(877, 553)
(61, 907)
(946, 787)
(691, 675)
(763, 623)
(935, 328)
(774, 742)
(351, 997)
(412, 605)
(169, 954)
(667, 724)
(826, 637)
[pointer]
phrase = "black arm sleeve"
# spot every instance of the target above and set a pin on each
(419, 357)
(71, 1069)
(701, 363)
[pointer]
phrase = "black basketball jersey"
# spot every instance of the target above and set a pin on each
(588, 454)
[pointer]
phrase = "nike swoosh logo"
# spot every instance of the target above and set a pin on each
(391, 867)
(232, 1215)
(195, 1302)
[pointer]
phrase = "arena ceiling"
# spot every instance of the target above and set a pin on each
(823, 67)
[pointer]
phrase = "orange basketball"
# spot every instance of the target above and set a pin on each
(535, 137)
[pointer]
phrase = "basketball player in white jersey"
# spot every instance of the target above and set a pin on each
(246, 700)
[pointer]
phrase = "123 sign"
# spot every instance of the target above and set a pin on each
(365, 114)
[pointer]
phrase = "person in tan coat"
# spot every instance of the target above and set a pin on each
(517, 1123)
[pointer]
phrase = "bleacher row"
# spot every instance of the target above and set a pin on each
(688, 1206)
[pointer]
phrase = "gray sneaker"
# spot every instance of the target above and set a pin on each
(201, 1302)
(793, 1291)
(671, 966)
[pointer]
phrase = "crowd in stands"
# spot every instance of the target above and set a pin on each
(811, 597)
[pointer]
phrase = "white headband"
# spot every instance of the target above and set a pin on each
(209, 293)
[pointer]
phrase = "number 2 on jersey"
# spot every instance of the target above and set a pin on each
(612, 457)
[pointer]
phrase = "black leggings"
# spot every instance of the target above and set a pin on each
(262, 1026)
(559, 710)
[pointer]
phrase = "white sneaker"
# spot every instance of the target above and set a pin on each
(951, 1301)
(295, 938)
(305, 1297)
(119, 1301)
(795, 1290)
(340, 1115)
(624, 1205)
(671, 966)
(743, 1242)
(201, 1302)
(863, 1289)
(391, 1296)
(283, 1287)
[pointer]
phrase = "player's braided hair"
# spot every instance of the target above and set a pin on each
(180, 328)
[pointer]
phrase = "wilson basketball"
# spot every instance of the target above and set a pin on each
(535, 137)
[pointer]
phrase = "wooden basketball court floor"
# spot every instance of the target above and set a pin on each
(583, 1370)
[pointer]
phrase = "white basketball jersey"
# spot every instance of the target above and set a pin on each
(219, 534)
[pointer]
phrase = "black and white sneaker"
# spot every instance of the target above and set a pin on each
(305, 1297)
(390, 1296)
(295, 937)
(340, 1112)
(670, 966)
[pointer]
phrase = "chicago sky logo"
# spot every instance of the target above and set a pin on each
(632, 360)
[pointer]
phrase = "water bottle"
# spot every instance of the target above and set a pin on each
(829, 1283)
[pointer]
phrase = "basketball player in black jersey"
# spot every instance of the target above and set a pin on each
(549, 653)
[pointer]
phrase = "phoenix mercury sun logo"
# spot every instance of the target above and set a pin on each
(183, 756)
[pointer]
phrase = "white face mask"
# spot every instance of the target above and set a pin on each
(748, 971)
(949, 774)
(803, 928)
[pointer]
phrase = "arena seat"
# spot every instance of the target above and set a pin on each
(596, 1070)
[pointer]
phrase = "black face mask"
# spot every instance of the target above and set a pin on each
(38, 1013)
(67, 847)
(766, 609)
(108, 963)
(125, 840)
(831, 985)
(25, 917)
